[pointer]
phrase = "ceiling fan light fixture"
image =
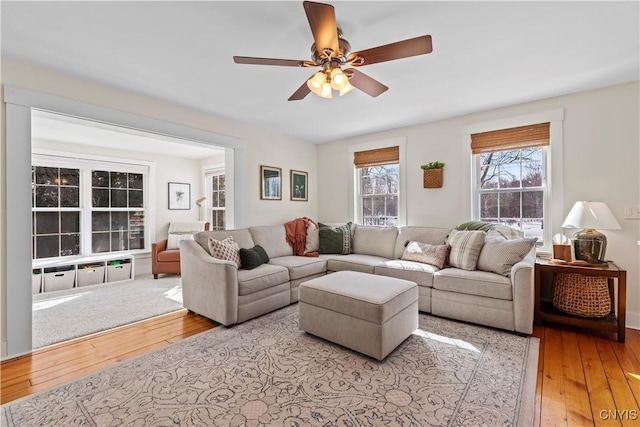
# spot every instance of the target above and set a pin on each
(326, 91)
(338, 79)
(347, 88)
(316, 82)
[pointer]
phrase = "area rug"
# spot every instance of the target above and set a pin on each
(62, 315)
(266, 372)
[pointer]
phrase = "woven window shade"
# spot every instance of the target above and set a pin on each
(378, 157)
(510, 139)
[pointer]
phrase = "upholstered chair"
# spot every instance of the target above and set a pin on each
(165, 254)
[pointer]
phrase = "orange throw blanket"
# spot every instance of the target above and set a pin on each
(296, 231)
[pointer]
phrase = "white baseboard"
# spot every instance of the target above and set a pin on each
(3, 350)
(633, 320)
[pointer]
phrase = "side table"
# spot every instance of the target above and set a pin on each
(612, 322)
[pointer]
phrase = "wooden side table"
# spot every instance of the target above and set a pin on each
(612, 322)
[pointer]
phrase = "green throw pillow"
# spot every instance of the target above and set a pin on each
(476, 225)
(254, 257)
(335, 240)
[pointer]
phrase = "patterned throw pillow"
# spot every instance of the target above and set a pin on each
(499, 254)
(465, 248)
(425, 253)
(226, 249)
(336, 240)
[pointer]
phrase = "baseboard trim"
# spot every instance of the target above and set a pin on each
(633, 320)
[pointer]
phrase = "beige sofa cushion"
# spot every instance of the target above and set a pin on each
(353, 262)
(417, 272)
(262, 277)
(300, 266)
(273, 238)
(479, 283)
(241, 236)
(376, 241)
(430, 235)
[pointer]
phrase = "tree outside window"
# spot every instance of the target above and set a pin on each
(379, 195)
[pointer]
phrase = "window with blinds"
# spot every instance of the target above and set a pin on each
(510, 171)
(378, 185)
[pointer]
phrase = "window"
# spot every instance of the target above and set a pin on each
(510, 178)
(55, 199)
(216, 188)
(86, 210)
(117, 221)
(378, 186)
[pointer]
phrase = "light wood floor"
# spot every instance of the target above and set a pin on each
(582, 378)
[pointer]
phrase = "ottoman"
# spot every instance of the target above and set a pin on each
(364, 312)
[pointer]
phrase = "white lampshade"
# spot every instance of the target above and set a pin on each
(325, 91)
(338, 79)
(346, 89)
(594, 215)
(315, 83)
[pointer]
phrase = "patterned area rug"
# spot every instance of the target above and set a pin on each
(266, 372)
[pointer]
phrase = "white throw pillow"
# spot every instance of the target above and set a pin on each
(173, 241)
(313, 238)
(425, 253)
(465, 248)
(499, 254)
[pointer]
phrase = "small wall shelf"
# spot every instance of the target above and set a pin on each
(55, 275)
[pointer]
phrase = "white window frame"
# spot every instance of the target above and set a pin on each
(209, 173)
(361, 196)
(355, 211)
(87, 163)
(553, 173)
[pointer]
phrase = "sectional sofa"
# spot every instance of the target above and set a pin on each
(218, 289)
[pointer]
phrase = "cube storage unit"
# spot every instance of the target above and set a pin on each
(59, 278)
(36, 281)
(56, 275)
(90, 274)
(119, 269)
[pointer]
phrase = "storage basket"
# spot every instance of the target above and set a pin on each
(586, 296)
(432, 178)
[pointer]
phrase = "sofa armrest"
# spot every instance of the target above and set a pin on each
(523, 293)
(209, 285)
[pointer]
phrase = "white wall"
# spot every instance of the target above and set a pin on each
(261, 147)
(601, 163)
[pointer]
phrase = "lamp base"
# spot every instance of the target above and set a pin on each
(590, 245)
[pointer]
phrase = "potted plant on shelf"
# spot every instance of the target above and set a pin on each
(432, 174)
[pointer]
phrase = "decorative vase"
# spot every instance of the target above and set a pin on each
(432, 178)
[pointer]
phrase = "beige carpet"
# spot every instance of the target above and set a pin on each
(266, 372)
(63, 315)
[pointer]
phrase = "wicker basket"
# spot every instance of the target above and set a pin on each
(432, 178)
(586, 296)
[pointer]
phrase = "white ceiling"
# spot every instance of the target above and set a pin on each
(485, 55)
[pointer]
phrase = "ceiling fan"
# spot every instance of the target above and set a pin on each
(331, 52)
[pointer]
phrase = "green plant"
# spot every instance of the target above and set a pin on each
(433, 165)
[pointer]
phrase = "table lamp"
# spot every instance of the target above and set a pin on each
(590, 245)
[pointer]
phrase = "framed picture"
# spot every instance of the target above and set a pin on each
(179, 196)
(270, 183)
(299, 186)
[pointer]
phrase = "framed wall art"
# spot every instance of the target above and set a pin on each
(299, 186)
(179, 196)
(270, 183)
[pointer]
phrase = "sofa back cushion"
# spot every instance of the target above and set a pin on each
(429, 235)
(273, 238)
(242, 237)
(376, 241)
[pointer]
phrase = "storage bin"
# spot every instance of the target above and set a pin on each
(90, 274)
(119, 270)
(59, 278)
(36, 281)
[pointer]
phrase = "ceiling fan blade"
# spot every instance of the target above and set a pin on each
(389, 52)
(322, 20)
(272, 61)
(300, 93)
(365, 83)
